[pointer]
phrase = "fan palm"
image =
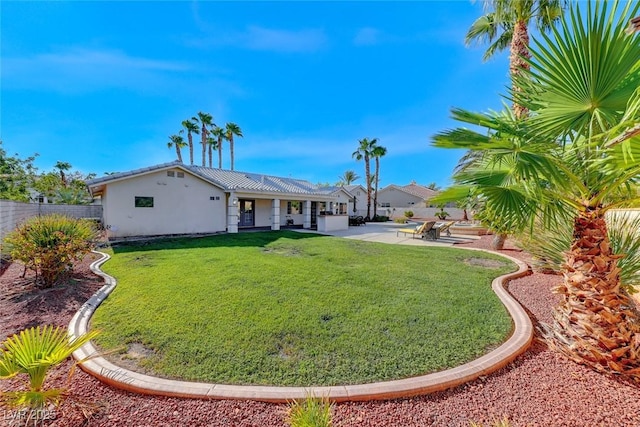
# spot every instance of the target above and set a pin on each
(364, 152)
(191, 128)
(33, 352)
(206, 121)
(232, 129)
(560, 164)
(177, 141)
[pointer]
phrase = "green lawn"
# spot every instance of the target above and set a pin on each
(287, 308)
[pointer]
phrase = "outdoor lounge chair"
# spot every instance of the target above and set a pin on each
(442, 228)
(421, 230)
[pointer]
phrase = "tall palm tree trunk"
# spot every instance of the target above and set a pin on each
(519, 53)
(190, 139)
(204, 146)
(596, 322)
(178, 153)
(367, 172)
(220, 152)
(519, 50)
(210, 148)
(231, 149)
(375, 195)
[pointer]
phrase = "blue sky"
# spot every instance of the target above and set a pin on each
(102, 85)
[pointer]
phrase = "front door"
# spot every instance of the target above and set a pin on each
(247, 218)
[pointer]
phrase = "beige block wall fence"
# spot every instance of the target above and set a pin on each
(12, 213)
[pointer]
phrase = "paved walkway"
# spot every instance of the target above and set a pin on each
(132, 381)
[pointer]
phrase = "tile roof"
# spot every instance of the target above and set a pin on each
(234, 181)
(419, 191)
(228, 180)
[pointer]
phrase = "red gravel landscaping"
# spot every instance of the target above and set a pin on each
(540, 388)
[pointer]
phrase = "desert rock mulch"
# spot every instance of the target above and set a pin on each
(540, 388)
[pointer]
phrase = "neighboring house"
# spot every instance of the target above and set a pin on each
(344, 203)
(395, 196)
(174, 198)
(359, 198)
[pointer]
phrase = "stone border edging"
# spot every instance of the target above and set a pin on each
(125, 379)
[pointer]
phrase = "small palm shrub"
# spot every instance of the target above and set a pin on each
(408, 214)
(32, 353)
(310, 412)
(50, 244)
(442, 214)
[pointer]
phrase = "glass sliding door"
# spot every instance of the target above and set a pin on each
(247, 213)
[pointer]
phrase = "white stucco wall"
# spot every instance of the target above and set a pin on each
(263, 212)
(360, 194)
(181, 205)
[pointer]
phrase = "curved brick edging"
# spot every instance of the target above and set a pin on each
(438, 381)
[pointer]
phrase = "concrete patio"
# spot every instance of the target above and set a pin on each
(385, 232)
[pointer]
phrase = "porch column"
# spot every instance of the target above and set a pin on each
(232, 213)
(275, 214)
(307, 214)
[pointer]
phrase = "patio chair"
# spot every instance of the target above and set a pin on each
(357, 220)
(420, 230)
(444, 227)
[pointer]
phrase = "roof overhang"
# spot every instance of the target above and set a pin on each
(98, 186)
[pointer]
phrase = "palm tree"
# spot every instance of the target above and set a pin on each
(221, 135)
(191, 128)
(206, 120)
(62, 167)
(347, 178)
(177, 141)
(572, 159)
(433, 186)
(377, 152)
(364, 153)
(231, 130)
(212, 144)
(506, 25)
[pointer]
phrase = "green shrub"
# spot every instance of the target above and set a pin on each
(310, 412)
(400, 220)
(50, 244)
(408, 214)
(32, 353)
(380, 218)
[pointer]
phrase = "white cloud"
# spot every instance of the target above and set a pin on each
(367, 37)
(267, 39)
(80, 69)
(259, 38)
